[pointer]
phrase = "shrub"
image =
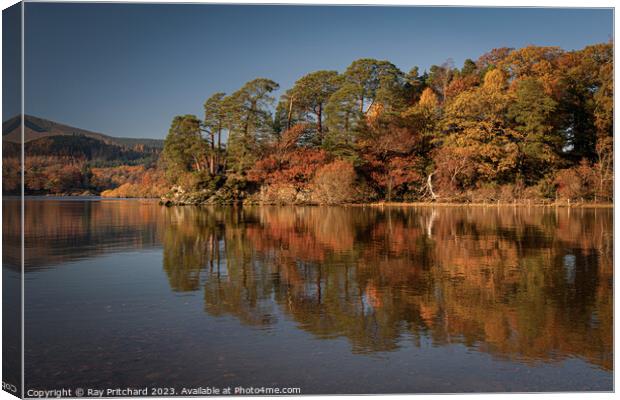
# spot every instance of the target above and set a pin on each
(577, 183)
(334, 183)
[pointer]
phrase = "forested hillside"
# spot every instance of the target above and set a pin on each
(533, 123)
(60, 159)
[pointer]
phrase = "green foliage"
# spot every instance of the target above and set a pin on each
(469, 67)
(184, 149)
(533, 111)
(344, 117)
(310, 94)
(532, 107)
(375, 81)
(215, 115)
(250, 122)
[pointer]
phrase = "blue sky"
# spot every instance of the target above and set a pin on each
(128, 69)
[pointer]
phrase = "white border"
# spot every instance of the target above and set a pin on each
(465, 3)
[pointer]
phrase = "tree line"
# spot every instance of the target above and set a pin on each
(80, 165)
(529, 123)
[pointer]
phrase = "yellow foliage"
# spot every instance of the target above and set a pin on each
(428, 99)
(494, 80)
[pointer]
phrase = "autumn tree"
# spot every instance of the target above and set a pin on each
(476, 121)
(515, 122)
(579, 71)
(394, 148)
(604, 169)
(603, 121)
(287, 163)
(493, 58)
(533, 62)
(414, 84)
(440, 76)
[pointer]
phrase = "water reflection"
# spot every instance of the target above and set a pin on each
(65, 230)
(529, 285)
(521, 284)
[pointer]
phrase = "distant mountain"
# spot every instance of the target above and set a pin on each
(37, 128)
(52, 139)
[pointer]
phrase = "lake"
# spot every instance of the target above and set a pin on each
(128, 293)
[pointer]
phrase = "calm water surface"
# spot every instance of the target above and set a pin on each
(329, 299)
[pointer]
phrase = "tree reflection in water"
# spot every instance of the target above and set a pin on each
(527, 284)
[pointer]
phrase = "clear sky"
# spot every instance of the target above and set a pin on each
(128, 69)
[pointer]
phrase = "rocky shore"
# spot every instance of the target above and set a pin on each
(271, 194)
(290, 195)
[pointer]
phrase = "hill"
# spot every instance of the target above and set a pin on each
(36, 128)
(61, 159)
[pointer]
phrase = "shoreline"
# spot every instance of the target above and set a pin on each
(562, 204)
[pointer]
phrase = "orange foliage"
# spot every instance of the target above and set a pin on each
(298, 167)
(131, 181)
(577, 183)
(334, 182)
(57, 175)
(461, 84)
(288, 163)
